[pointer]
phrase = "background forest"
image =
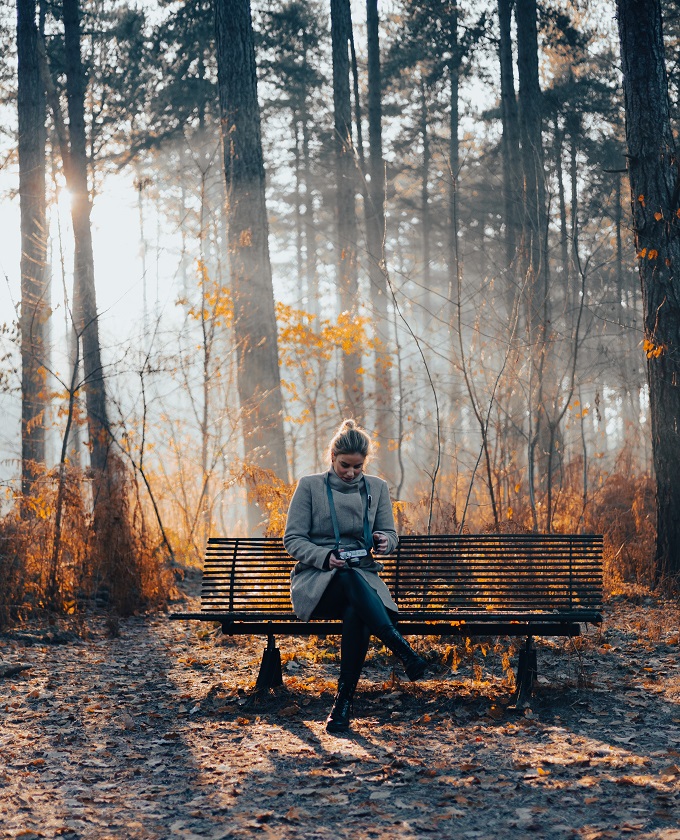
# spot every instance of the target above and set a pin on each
(452, 263)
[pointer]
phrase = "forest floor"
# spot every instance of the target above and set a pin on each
(149, 729)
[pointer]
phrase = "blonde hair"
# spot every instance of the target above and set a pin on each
(350, 438)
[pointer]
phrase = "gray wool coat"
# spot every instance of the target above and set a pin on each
(309, 537)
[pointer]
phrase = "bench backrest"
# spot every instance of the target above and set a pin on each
(439, 573)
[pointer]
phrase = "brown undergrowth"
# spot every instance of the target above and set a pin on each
(102, 555)
(621, 508)
(110, 556)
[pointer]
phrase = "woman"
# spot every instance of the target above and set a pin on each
(336, 521)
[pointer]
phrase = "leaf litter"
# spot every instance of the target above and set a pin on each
(157, 733)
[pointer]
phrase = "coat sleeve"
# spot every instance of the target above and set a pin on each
(296, 539)
(384, 518)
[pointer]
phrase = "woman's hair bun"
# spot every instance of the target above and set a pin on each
(350, 438)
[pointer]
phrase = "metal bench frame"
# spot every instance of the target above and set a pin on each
(459, 585)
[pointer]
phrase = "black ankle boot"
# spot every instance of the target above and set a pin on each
(414, 665)
(341, 713)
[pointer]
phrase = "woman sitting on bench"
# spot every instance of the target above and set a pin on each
(337, 521)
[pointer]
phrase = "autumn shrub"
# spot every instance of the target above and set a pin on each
(28, 574)
(620, 506)
(12, 570)
(271, 494)
(126, 568)
(413, 516)
(623, 510)
(102, 552)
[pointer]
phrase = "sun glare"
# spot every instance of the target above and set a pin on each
(65, 200)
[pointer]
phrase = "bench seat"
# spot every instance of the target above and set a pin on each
(465, 585)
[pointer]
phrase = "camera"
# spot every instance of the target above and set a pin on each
(353, 558)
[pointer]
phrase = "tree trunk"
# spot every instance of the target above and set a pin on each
(565, 260)
(618, 221)
(86, 315)
(655, 194)
(117, 566)
(533, 169)
(512, 185)
(425, 197)
(35, 290)
(455, 269)
(346, 221)
(259, 384)
(308, 218)
(534, 258)
(512, 212)
(454, 154)
(385, 428)
(298, 203)
(574, 128)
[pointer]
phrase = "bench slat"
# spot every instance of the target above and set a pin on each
(548, 579)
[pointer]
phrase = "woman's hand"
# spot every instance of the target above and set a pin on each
(335, 562)
(379, 542)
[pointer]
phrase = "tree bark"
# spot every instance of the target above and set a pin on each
(533, 170)
(308, 218)
(385, 427)
(87, 318)
(454, 153)
(655, 197)
(425, 196)
(259, 384)
(35, 290)
(618, 221)
(565, 261)
(346, 220)
(574, 128)
(512, 184)
(534, 253)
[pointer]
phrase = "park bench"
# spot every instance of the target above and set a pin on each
(464, 585)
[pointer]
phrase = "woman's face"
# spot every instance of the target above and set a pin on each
(348, 465)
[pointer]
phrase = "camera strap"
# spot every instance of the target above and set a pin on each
(368, 539)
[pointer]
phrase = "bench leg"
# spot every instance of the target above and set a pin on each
(270, 675)
(526, 674)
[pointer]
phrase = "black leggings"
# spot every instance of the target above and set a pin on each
(348, 596)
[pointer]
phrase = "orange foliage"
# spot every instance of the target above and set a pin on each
(271, 494)
(216, 301)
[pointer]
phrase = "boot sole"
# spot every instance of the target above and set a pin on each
(418, 673)
(335, 728)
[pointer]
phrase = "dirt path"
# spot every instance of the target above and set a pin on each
(147, 735)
